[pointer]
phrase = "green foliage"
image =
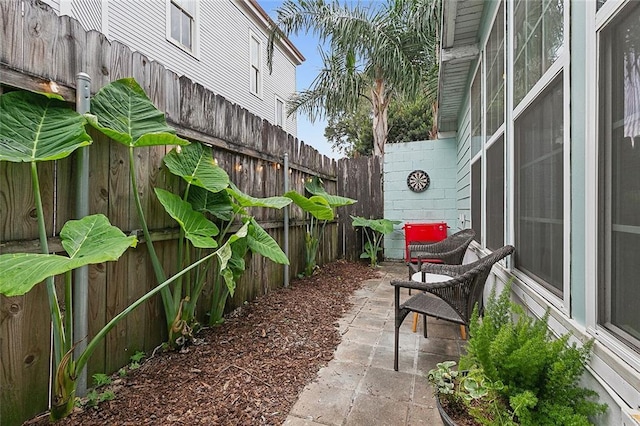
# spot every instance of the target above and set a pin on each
(529, 377)
(379, 52)
(210, 192)
(136, 359)
(352, 135)
(375, 230)
(320, 209)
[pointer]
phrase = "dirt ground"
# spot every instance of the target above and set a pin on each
(248, 371)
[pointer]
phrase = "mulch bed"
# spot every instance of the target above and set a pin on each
(248, 371)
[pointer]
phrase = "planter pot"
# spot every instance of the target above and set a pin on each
(446, 420)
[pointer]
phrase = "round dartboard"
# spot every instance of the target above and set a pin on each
(418, 181)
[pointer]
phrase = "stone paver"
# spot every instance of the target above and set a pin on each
(359, 386)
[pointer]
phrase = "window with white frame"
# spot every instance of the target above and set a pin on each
(488, 112)
(619, 177)
(255, 85)
(494, 52)
(280, 112)
(538, 37)
(539, 183)
(476, 147)
(476, 113)
(182, 23)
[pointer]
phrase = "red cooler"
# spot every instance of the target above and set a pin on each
(423, 233)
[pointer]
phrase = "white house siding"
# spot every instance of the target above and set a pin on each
(88, 13)
(464, 169)
(221, 60)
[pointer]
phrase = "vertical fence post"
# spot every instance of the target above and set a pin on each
(286, 219)
(81, 275)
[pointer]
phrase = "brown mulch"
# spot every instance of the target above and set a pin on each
(248, 371)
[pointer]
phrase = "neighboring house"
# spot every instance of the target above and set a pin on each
(543, 99)
(220, 44)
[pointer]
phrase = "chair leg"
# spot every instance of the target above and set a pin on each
(414, 326)
(424, 325)
(463, 332)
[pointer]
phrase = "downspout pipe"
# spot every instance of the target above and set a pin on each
(286, 219)
(81, 275)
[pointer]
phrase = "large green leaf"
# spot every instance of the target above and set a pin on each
(34, 127)
(262, 243)
(122, 111)
(317, 206)
(87, 241)
(195, 164)
(245, 200)
(197, 228)
(219, 204)
(383, 226)
(314, 186)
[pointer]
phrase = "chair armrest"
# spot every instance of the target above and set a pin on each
(416, 285)
(444, 269)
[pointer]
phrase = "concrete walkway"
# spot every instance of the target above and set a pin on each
(359, 386)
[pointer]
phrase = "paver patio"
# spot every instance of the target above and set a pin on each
(359, 386)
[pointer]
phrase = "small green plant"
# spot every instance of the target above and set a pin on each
(101, 379)
(516, 373)
(320, 209)
(374, 230)
(136, 359)
(94, 397)
(122, 372)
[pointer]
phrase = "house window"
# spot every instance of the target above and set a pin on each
(476, 113)
(619, 177)
(256, 65)
(279, 112)
(182, 23)
(476, 199)
(495, 75)
(538, 27)
(495, 195)
(539, 197)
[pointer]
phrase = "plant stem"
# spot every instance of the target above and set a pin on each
(54, 307)
(68, 311)
(167, 299)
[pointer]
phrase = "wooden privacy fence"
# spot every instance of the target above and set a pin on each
(43, 52)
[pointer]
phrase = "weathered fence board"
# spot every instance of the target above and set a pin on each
(43, 52)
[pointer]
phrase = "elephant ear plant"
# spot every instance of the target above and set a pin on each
(320, 209)
(122, 111)
(36, 128)
(374, 230)
(209, 190)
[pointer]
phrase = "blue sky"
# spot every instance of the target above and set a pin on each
(311, 134)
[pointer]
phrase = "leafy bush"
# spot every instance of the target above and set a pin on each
(518, 373)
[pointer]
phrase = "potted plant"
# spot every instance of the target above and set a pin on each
(514, 373)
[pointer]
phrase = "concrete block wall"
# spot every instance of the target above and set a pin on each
(437, 204)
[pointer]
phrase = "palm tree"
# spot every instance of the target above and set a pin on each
(377, 52)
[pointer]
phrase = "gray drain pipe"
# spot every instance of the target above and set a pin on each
(81, 275)
(286, 219)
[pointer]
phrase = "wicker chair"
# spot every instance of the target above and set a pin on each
(454, 299)
(451, 250)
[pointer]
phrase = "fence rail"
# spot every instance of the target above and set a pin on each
(43, 52)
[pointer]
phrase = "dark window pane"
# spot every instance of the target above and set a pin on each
(495, 195)
(539, 188)
(476, 199)
(619, 169)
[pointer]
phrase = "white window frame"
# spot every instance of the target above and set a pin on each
(280, 103)
(194, 13)
(561, 64)
(255, 64)
(603, 17)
